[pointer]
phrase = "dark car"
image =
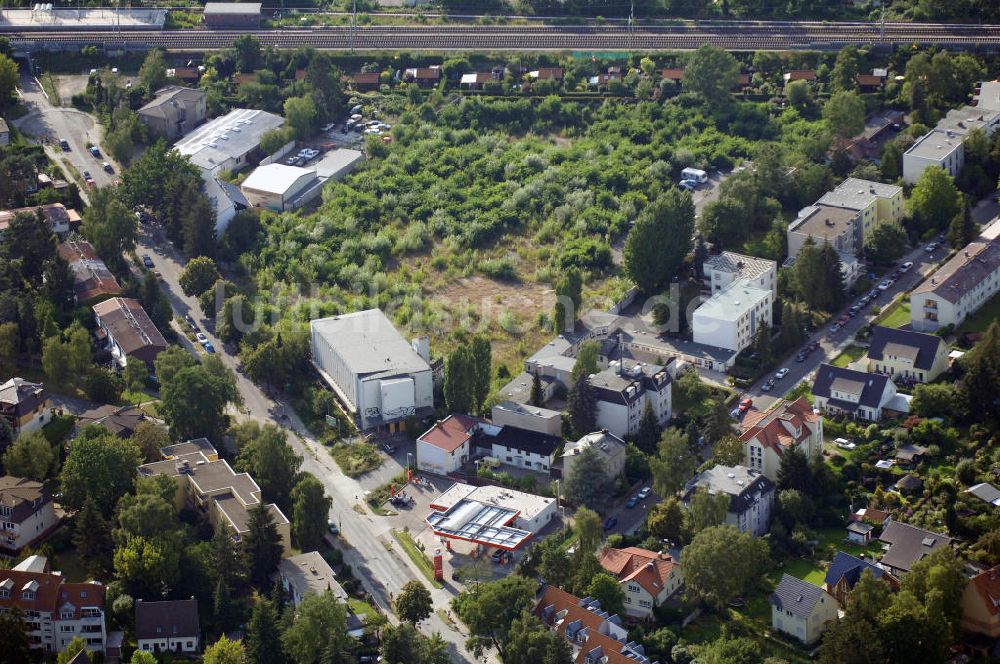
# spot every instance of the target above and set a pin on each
(632, 502)
(147, 261)
(801, 357)
(610, 523)
(64, 144)
(389, 449)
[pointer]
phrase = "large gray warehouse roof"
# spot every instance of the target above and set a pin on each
(369, 344)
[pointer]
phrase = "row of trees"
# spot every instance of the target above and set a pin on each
(468, 375)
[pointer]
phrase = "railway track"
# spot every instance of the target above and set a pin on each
(732, 36)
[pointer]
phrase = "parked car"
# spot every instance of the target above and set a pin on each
(610, 523)
(735, 413)
(844, 318)
(190, 321)
(644, 493)
(328, 126)
(801, 357)
(885, 284)
(768, 386)
(389, 449)
(107, 167)
(781, 373)
(332, 527)
(853, 311)
(874, 294)
(147, 261)
(844, 444)
(94, 151)
(905, 267)
(745, 405)
(632, 502)
(209, 348)
(64, 144)
(202, 339)
(931, 247)
(835, 328)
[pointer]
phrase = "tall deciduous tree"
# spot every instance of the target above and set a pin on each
(532, 643)
(673, 464)
(586, 359)
(109, 226)
(265, 454)
(318, 631)
(300, 112)
(150, 567)
(198, 276)
(587, 526)
(569, 297)
(491, 611)
(99, 466)
(30, 456)
(846, 70)
(935, 199)
(15, 644)
(712, 73)
(195, 398)
(606, 589)
(310, 512)
(153, 72)
(707, 510)
(413, 604)
(665, 520)
(886, 244)
(659, 241)
(728, 451)
(92, 539)
(844, 114)
(225, 651)
(741, 555)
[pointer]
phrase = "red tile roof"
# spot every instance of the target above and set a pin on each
(560, 601)
(870, 514)
(768, 427)
(674, 73)
(611, 649)
(450, 433)
(869, 81)
(987, 585)
(801, 75)
(81, 595)
(649, 569)
(545, 73)
(51, 592)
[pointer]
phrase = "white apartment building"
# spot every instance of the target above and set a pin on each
(725, 268)
(751, 496)
(380, 377)
(27, 513)
(875, 203)
(622, 391)
(732, 316)
(935, 148)
(958, 288)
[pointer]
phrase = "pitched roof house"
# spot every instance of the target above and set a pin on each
(128, 330)
(985, 492)
(309, 574)
(648, 578)
(839, 390)
(906, 354)
(170, 626)
(981, 604)
(845, 571)
(92, 280)
(27, 513)
(25, 405)
(907, 545)
(447, 445)
(174, 111)
(801, 610)
(53, 610)
(58, 216)
(768, 435)
(751, 495)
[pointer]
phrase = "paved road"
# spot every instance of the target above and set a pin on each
(49, 124)
(373, 553)
(831, 344)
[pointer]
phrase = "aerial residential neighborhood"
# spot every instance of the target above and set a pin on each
(437, 332)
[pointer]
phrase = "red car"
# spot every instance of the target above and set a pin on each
(745, 405)
(843, 320)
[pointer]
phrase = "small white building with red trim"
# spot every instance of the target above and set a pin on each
(490, 516)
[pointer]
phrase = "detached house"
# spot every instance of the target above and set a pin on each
(906, 354)
(648, 578)
(27, 513)
(608, 446)
(447, 445)
(845, 571)
(53, 610)
(769, 435)
(802, 610)
(864, 396)
(907, 544)
(170, 626)
(523, 448)
(25, 405)
(751, 496)
(981, 604)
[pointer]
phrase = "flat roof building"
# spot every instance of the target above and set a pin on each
(380, 377)
(876, 203)
(725, 268)
(838, 226)
(232, 14)
(935, 148)
(732, 317)
(228, 142)
(336, 164)
(489, 515)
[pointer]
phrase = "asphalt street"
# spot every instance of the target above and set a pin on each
(369, 548)
(832, 344)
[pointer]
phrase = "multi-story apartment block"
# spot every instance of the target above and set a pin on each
(622, 391)
(25, 405)
(958, 288)
(725, 268)
(751, 495)
(54, 611)
(733, 316)
(876, 203)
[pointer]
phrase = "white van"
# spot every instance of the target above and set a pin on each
(695, 174)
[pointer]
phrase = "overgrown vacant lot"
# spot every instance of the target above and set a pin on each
(476, 208)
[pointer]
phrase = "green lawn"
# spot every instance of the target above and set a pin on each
(897, 316)
(360, 607)
(56, 430)
(850, 354)
(800, 568)
(979, 321)
(416, 555)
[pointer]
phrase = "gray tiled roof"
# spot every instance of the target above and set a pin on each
(926, 344)
(871, 385)
(908, 544)
(797, 596)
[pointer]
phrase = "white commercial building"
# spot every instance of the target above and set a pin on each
(935, 148)
(227, 143)
(380, 377)
(731, 317)
(876, 203)
(279, 187)
(725, 268)
(958, 288)
(491, 516)
(526, 416)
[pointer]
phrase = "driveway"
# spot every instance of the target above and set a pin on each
(49, 124)
(832, 344)
(370, 549)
